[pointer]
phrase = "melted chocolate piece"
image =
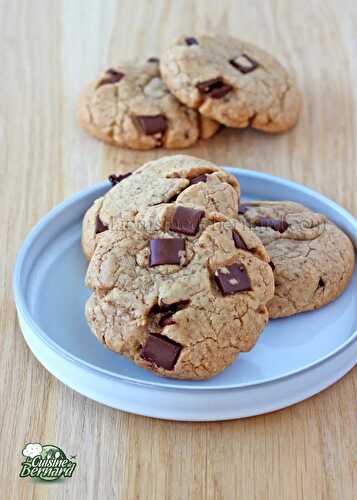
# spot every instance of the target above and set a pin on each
(153, 60)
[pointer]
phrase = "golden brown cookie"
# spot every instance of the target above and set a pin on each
(312, 259)
(231, 81)
(130, 106)
(179, 290)
(179, 179)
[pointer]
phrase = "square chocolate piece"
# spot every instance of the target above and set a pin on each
(244, 63)
(214, 88)
(152, 125)
(161, 350)
(186, 220)
(166, 251)
(232, 279)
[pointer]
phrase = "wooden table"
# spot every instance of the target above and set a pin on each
(49, 50)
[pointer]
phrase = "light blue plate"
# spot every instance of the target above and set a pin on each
(50, 297)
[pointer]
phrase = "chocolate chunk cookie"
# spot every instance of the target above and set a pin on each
(130, 106)
(231, 81)
(179, 290)
(312, 259)
(182, 180)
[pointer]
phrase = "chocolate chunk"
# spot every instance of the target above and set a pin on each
(161, 350)
(239, 243)
(186, 220)
(244, 63)
(168, 310)
(195, 180)
(321, 283)
(114, 72)
(242, 209)
(221, 91)
(152, 125)
(115, 179)
(208, 85)
(153, 60)
(114, 76)
(190, 40)
(173, 198)
(272, 265)
(276, 224)
(232, 279)
(166, 251)
(215, 88)
(177, 306)
(167, 320)
(155, 309)
(99, 226)
(199, 178)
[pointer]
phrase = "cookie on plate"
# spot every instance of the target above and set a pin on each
(179, 179)
(232, 81)
(179, 290)
(312, 259)
(130, 106)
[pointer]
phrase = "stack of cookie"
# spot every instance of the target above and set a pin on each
(184, 277)
(199, 84)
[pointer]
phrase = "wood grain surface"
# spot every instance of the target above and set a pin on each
(49, 50)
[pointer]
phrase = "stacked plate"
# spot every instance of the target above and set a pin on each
(294, 358)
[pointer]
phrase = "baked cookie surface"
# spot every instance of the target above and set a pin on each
(178, 290)
(178, 179)
(312, 259)
(231, 81)
(130, 106)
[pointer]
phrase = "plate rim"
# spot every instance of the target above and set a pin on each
(22, 307)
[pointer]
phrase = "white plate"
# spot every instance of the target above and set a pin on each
(294, 358)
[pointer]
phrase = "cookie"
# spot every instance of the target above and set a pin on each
(312, 259)
(130, 106)
(232, 82)
(178, 290)
(181, 179)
